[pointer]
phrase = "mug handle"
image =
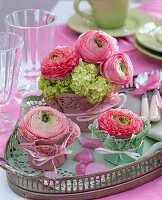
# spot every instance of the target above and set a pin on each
(80, 13)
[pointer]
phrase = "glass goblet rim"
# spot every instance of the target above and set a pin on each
(31, 27)
(21, 42)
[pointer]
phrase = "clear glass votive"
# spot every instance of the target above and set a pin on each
(36, 27)
(10, 60)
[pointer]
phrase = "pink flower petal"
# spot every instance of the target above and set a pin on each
(89, 142)
(81, 168)
(51, 175)
(85, 155)
(95, 167)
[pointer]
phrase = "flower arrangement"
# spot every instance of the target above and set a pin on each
(120, 122)
(45, 134)
(122, 133)
(86, 79)
(94, 69)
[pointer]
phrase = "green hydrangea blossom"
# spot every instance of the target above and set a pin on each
(51, 88)
(43, 82)
(87, 82)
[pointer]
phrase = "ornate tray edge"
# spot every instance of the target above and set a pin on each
(91, 194)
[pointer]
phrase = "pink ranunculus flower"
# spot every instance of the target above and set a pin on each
(120, 122)
(45, 124)
(59, 63)
(95, 46)
(118, 69)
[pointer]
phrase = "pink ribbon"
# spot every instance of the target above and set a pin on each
(152, 82)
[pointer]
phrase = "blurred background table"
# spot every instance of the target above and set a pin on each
(63, 9)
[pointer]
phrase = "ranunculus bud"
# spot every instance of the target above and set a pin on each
(118, 69)
(120, 122)
(59, 63)
(44, 124)
(95, 46)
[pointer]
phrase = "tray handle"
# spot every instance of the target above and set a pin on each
(12, 170)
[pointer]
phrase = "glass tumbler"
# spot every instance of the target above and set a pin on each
(36, 27)
(10, 60)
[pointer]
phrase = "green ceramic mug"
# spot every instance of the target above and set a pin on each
(108, 14)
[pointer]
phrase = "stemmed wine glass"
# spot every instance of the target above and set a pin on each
(36, 27)
(10, 59)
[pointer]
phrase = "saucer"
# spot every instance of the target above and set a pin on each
(135, 19)
(150, 35)
(146, 51)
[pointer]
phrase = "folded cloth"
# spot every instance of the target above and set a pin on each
(133, 104)
(156, 131)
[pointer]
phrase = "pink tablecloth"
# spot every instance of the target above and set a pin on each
(64, 36)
